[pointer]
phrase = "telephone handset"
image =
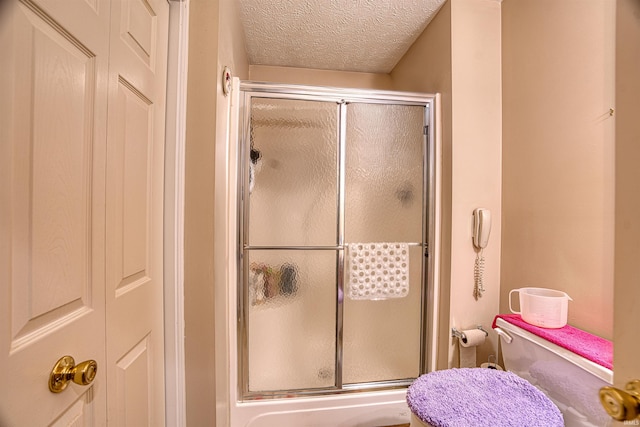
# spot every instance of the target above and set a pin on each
(481, 231)
(481, 227)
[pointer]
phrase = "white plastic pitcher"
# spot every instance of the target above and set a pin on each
(542, 307)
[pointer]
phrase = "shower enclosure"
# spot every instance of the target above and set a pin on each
(322, 174)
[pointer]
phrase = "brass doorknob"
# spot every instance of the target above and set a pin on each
(66, 370)
(622, 405)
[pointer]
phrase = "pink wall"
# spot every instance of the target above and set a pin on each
(426, 67)
(558, 147)
(199, 233)
(306, 76)
(459, 56)
(215, 40)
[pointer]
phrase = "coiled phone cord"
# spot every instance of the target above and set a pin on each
(478, 271)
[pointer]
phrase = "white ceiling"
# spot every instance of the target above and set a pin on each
(346, 35)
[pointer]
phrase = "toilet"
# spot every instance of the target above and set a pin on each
(569, 365)
(552, 378)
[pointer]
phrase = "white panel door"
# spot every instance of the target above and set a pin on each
(135, 158)
(81, 175)
(53, 105)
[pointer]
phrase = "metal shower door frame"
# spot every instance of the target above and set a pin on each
(342, 97)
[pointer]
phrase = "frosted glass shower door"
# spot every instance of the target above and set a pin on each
(290, 251)
(293, 198)
(384, 202)
(321, 169)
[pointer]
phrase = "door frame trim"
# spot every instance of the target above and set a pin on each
(176, 121)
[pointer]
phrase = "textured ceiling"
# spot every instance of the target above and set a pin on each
(347, 35)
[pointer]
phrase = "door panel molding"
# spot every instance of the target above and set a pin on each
(53, 118)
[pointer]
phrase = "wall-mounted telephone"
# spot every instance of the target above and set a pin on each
(481, 227)
(481, 231)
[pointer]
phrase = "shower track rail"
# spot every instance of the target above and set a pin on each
(312, 248)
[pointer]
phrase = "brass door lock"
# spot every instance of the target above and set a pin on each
(622, 405)
(66, 370)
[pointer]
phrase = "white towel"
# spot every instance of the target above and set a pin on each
(378, 271)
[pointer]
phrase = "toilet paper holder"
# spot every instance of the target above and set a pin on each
(461, 336)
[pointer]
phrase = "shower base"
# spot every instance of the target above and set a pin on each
(372, 409)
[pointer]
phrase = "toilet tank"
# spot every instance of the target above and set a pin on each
(569, 380)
